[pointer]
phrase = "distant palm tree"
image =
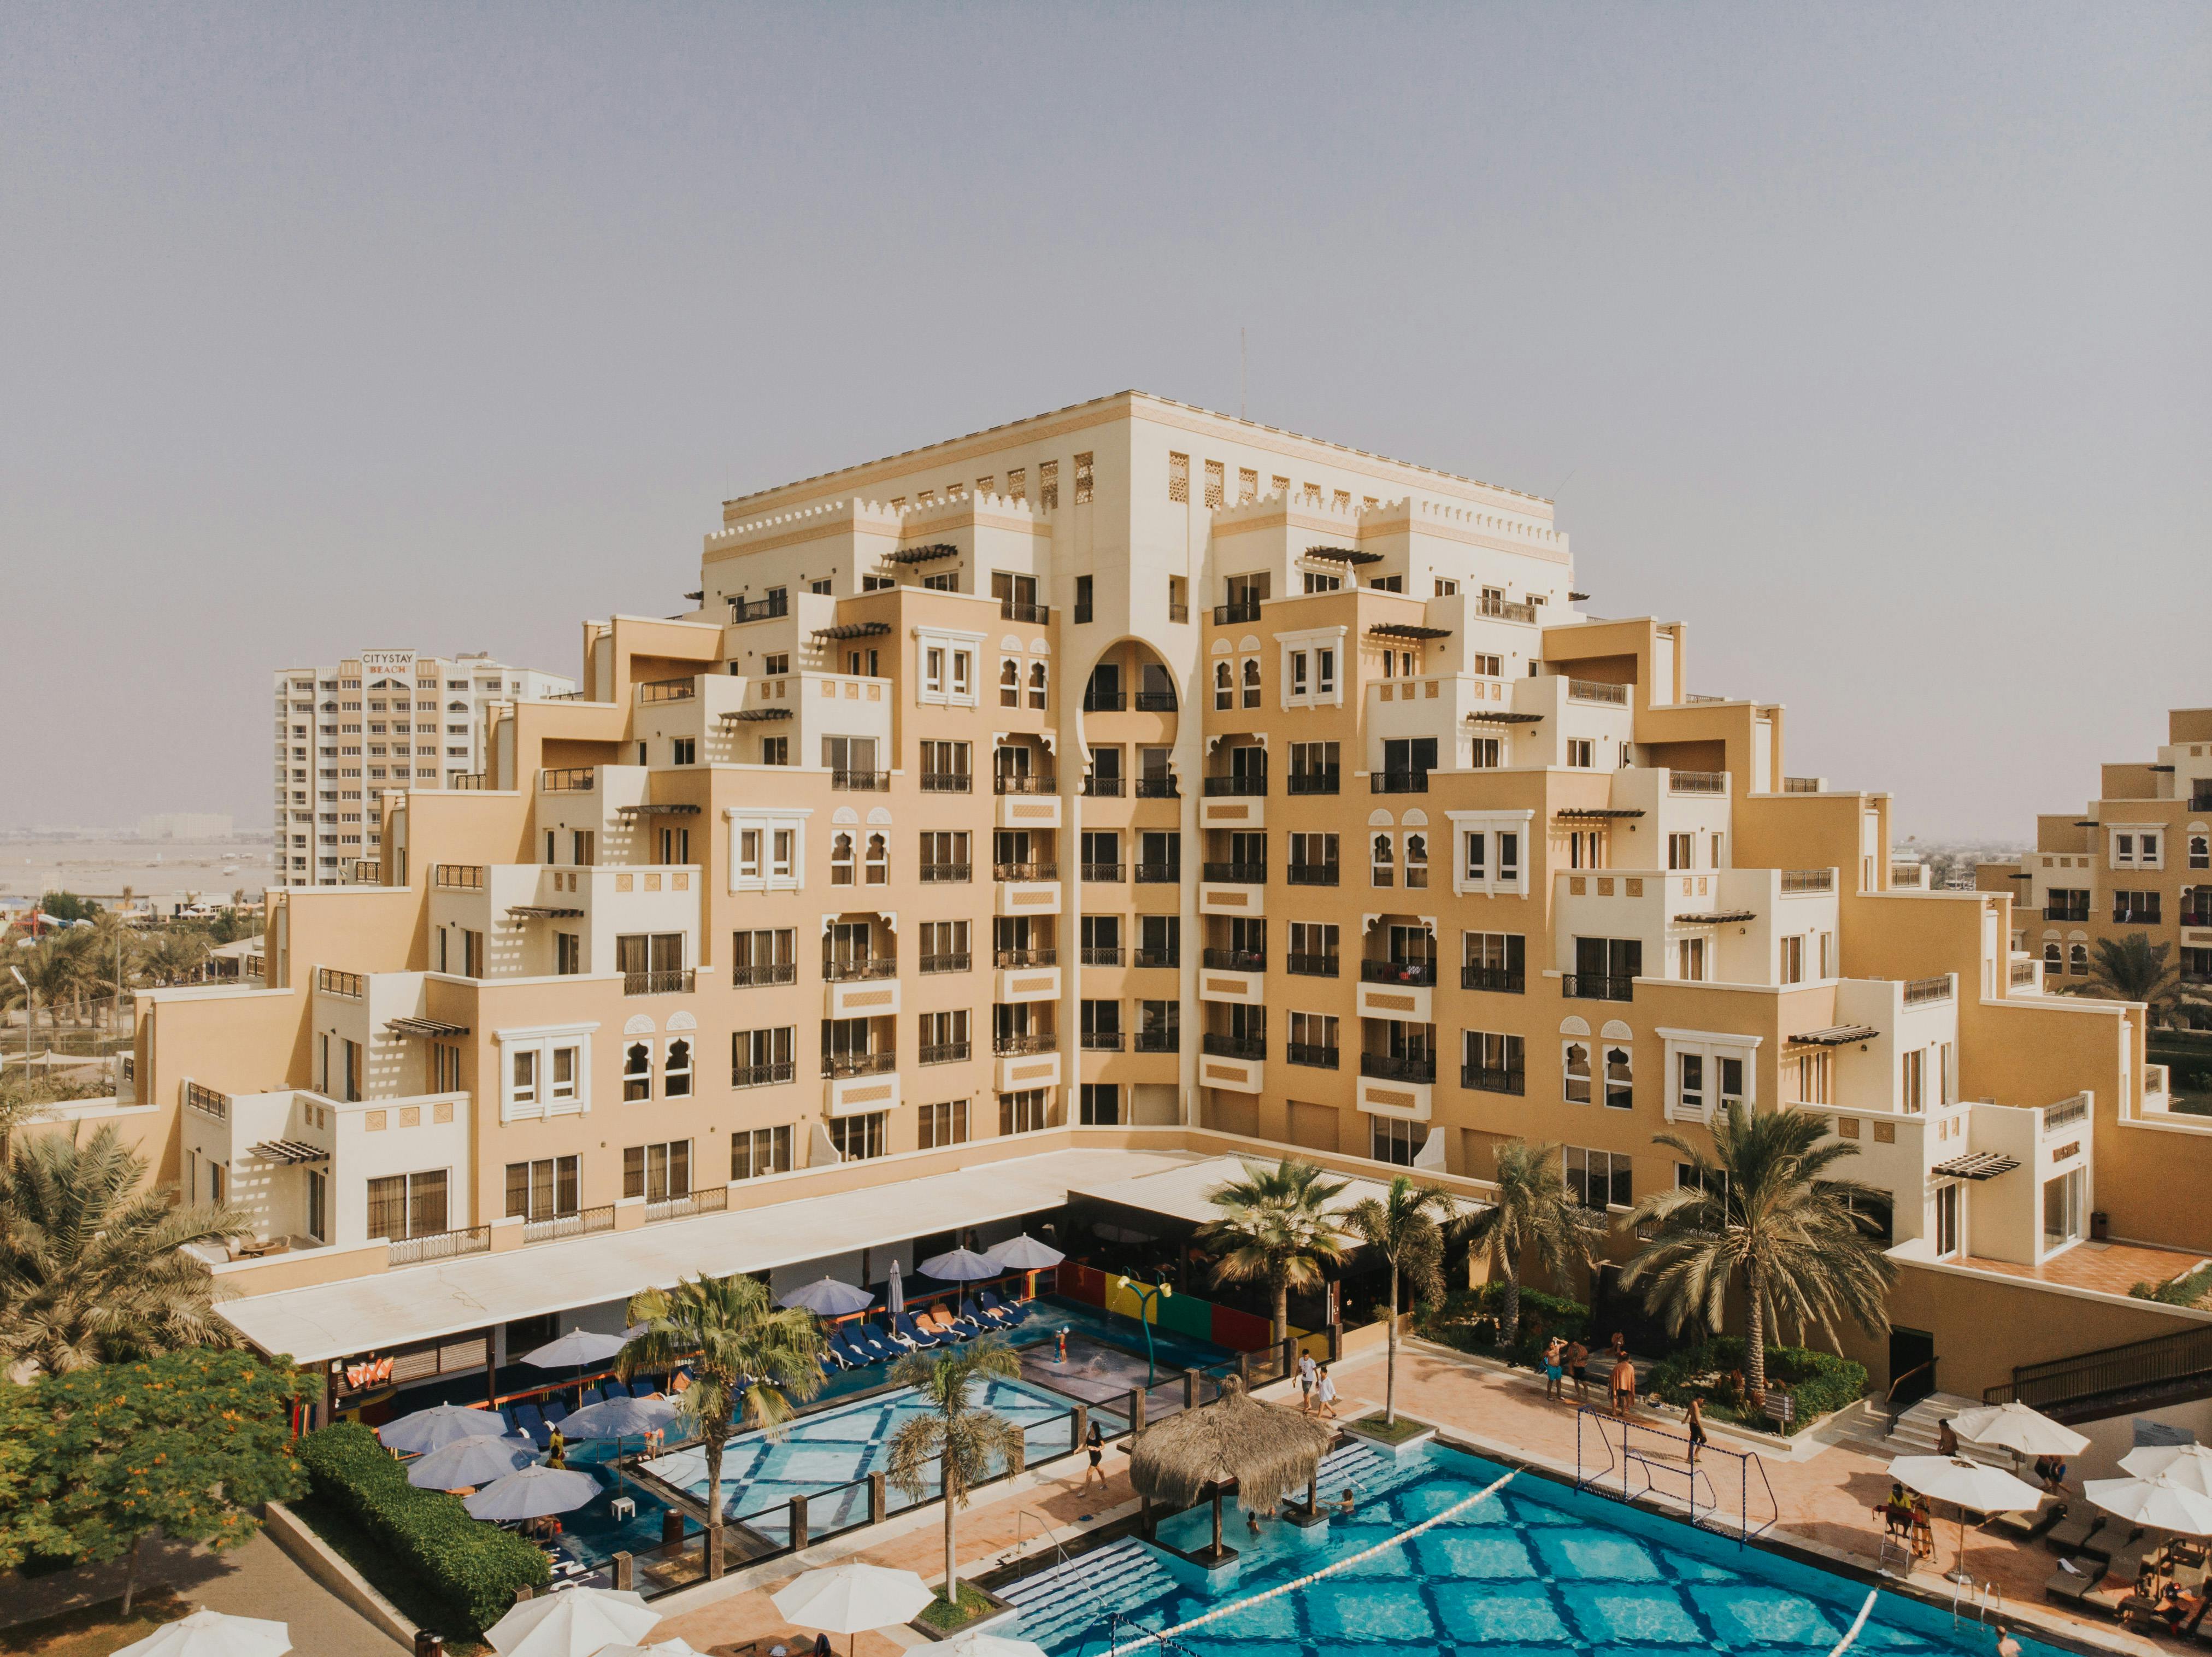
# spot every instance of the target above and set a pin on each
(956, 1434)
(1533, 1216)
(93, 1263)
(2133, 968)
(1763, 1207)
(1406, 1227)
(1274, 1228)
(746, 1355)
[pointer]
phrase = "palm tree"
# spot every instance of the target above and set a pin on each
(1406, 1228)
(2133, 968)
(956, 1433)
(1534, 1215)
(94, 1269)
(747, 1355)
(1764, 1207)
(1274, 1228)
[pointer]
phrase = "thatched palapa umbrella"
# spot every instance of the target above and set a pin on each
(1264, 1450)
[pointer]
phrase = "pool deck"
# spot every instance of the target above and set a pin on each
(1826, 1496)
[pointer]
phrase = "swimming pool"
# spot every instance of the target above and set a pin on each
(1538, 1568)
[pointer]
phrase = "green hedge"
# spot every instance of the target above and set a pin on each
(1467, 1319)
(2188, 1289)
(474, 1567)
(1821, 1382)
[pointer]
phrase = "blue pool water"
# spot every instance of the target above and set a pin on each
(1538, 1568)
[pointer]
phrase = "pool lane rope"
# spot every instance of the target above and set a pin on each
(1858, 1622)
(1311, 1577)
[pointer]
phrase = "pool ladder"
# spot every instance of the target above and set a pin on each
(1044, 1525)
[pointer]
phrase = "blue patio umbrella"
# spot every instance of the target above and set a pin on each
(830, 1298)
(961, 1265)
(437, 1427)
(472, 1463)
(533, 1492)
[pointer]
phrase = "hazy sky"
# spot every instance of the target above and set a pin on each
(1871, 342)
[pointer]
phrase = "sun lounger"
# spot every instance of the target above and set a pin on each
(643, 1387)
(858, 1350)
(937, 1321)
(2068, 1588)
(1012, 1312)
(529, 1419)
(2108, 1540)
(879, 1347)
(990, 1310)
(2069, 1534)
(903, 1329)
(2027, 1527)
(556, 1412)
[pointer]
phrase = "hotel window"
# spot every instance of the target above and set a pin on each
(756, 1151)
(1100, 1104)
(402, 1205)
(1620, 1079)
(1216, 485)
(1037, 685)
(879, 860)
(675, 846)
(1010, 683)
(1247, 485)
(1913, 1094)
(943, 1038)
(759, 1057)
(676, 1069)
(1178, 477)
(637, 1071)
(1581, 751)
(1017, 482)
(1251, 677)
(1417, 862)
(1810, 1072)
(1690, 1094)
(544, 1190)
(1297, 672)
(1793, 959)
(857, 1138)
(1313, 1040)
(657, 1172)
(1224, 685)
(2054, 961)
(841, 860)
(445, 1068)
(1575, 1066)
(567, 1075)
(2135, 909)
(683, 750)
(1082, 480)
(1947, 1220)
(1681, 851)
(2077, 959)
(1690, 959)
(1483, 753)
(1382, 860)
(943, 1124)
(1325, 672)
(1396, 1142)
(523, 1089)
(1600, 1180)
(1318, 582)
(2200, 851)
(1027, 1112)
(1049, 485)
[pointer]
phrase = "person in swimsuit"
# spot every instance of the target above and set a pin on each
(1577, 1355)
(1552, 1369)
(1095, 1442)
(1697, 1425)
(1623, 1384)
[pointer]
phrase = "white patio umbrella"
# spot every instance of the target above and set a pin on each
(2184, 1464)
(619, 1418)
(472, 1463)
(438, 1426)
(2016, 1427)
(576, 1347)
(852, 1598)
(830, 1298)
(213, 1634)
(1964, 1485)
(2164, 1501)
(533, 1492)
(578, 1622)
(1023, 1253)
(960, 1265)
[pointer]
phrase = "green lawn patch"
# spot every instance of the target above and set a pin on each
(94, 1630)
(1392, 1432)
(974, 1604)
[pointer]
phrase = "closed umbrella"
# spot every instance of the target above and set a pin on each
(961, 1265)
(472, 1463)
(437, 1427)
(830, 1298)
(852, 1598)
(2162, 1501)
(213, 1634)
(1024, 1254)
(2184, 1464)
(1964, 1485)
(2016, 1427)
(895, 1292)
(533, 1492)
(578, 1622)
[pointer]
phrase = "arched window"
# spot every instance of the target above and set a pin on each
(637, 1070)
(1224, 686)
(1251, 681)
(879, 860)
(2077, 960)
(2052, 965)
(1417, 860)
(1382, 858)
(1578, 1074)
(676, 1075)
(1619, 1079)
(1010, 683)
(841, 860)
(1037, 683)
(2200, 851)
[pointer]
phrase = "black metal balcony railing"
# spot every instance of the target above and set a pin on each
(860, 781)
(1225, 1046)
(1241, 782)
(2201, 801)
(751, 977)
(1485, 1081)
(331, 981)
(1102, 1041)
(673, 980)
(950, 960)
(1104, 702)
(1158, 1041)
(1229, 615)
(1156, 958)
(1009, 610)
(1178, 613)
(1312, 873)
(1102, 788)
(1157, 787)
(1154, 701)
(866, 967)
(1016, 959)
(1597, 986)
(1398, 1067)
(1159, 874)
(1025, 783)
(1397, 972)
(1398, 781)
(568, 779)
(1322, 779)
(1238, 874)
(948, 782)
(1101, 956)
(1103, 872)
(942, 1052)
(1309, 966)
(836, 1066)
(945, 874)
(666, 690)
(1236, 960)
(2066, 912)
(767, 609)
(1025, 871)
(761, 1075)
(2191, 917)
(1037, 1041)
(1503, 980)
(1305, 1052)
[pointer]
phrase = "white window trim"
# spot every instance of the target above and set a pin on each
(946, 695)
(2134, 858)
(1308, 639)
(1488, 822)
(543, 1039)
(1710, 1044)
(768, 820)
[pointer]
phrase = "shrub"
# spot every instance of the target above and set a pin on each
(1467, 1319)
(473, 1567)
(1821, 1383)
(2188, 1289)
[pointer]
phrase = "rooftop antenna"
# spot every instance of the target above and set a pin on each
(1241, 358)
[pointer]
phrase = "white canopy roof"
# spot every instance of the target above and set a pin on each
(368, 1314)
(1179, 1187)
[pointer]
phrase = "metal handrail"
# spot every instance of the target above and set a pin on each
(1044, 1524)
(1895, 1410)
(2061, 1381)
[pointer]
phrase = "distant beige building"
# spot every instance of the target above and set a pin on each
(186, 825)
(1053, 809)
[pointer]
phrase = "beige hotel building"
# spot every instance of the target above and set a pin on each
(1068, 809)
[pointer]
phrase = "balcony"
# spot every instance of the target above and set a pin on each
(1398, 1067)
(1597, 986)
(1697, 782)
(1311, 874)
(1156, 958)
(1808, 879)
(948, 782)
(1102, 788)
(1502, 609)
(1321, 780)
(1025, 871)
(2066, 1114)
(584, 1223)
(207, 1101)
(1025, 783)
(459, 877)
(1919, 992)
(942, 1052)
(2190, 916)
(1104, 702)
(1005, 960)
(1225, 1046)
(776, 604)
(1499, 980)
(2081, 913)
(2201, 800)
(1586, 689)
(953, 960)
(1009, 610)
(714, 1199)
(1485, 1080)
(674, 981)
(1178, 614)
(1157, 1041)
(1311, 966)
(1103, 872)
(836, 1066)
(761, 1075)
(1396, 781)
(946, 874)
(1235, 873)
(331, 982)
(1154, 702)
(1159, 874)
(568, 779)
(1035, 1041)
(753, 977)
(439, 1246)
(1397, 972)
(1245, 784)
(666, 690)
(1232, 615)
(1102, 1041)
(1800, 785)
(1158, 788)
(862, 781)
(2023, 974)
(1236, 960)
(1101, 957)
(1305, 1052)
(865, 966)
